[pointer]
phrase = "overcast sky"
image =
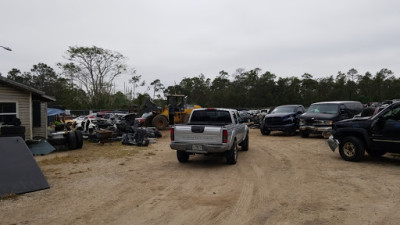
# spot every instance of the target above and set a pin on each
(173, 39)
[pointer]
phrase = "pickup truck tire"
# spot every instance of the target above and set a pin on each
(72, 142)
(304, 134)
(182, 156)
(232, 155)
(351, 149)
(245, 143)
(160, 122)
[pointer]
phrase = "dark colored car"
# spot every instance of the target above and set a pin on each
(283, 118)
(320, 116)
(376, 135)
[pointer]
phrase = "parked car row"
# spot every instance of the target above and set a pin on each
(317, 119)
(350, 126)
(320, 116)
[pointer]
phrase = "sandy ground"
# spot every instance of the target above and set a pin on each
(280, 180)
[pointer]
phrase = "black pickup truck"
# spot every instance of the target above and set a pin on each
(283, 118)
(376, 135)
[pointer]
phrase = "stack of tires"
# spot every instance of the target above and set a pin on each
(75, 140)
(13, 131)
(66, 140)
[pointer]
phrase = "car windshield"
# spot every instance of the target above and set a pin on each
(283, 109)
(323, 108)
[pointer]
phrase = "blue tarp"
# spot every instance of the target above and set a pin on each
(53, 111)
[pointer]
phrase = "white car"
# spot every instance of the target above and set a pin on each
(87, 124)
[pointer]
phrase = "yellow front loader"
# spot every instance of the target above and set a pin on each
(176, 111)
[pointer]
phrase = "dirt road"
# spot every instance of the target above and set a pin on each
(280, 180)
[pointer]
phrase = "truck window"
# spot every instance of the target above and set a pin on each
(393, 114)
(235, 117)
(211, 116)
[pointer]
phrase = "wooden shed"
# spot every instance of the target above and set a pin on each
(26, 103)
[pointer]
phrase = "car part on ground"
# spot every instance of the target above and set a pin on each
(139, 137)
(20, 172)
(40, 146)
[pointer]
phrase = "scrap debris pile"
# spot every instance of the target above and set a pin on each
(124, 128)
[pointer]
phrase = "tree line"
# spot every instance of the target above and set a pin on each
(253, 89)
(87, 80)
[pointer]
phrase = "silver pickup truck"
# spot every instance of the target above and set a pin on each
(210, 131)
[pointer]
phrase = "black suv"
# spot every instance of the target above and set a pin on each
(282, 118)
(376, 135)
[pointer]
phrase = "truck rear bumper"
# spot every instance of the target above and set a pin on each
(200, 148)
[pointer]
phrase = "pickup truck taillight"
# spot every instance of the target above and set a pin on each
(224, 136)
(172, 134)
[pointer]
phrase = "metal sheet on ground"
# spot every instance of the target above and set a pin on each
(19, 172)
(41, 148)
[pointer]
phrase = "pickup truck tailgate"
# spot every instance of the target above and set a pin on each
(198, 134)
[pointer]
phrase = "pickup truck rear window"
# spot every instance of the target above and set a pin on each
(210, 117)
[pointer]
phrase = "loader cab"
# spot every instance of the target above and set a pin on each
(176, 103)
(176, 108)
(176, 111)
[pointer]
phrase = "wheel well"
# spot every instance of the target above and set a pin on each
(357, 135)
(234, 141)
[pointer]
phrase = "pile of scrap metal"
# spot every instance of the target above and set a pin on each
(126, 128)
(135, 135)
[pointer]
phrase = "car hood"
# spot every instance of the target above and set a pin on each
(279, 115)
(318, 116)
(355, 122)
